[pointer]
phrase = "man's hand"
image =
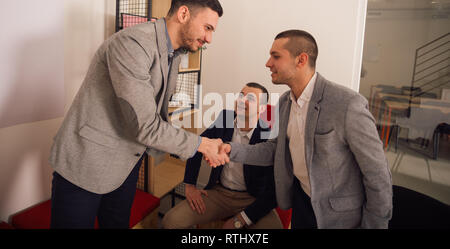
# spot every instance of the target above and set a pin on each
(194, 198)
(210, 150)
(229, 224)
(225, 149)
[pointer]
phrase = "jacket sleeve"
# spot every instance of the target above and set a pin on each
(261, 154)
(365, 144)
(129, 65)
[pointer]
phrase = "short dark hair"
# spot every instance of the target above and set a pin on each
(299, 42)
(194, 5)
(263, 89)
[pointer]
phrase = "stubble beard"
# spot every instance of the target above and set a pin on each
(186, 39)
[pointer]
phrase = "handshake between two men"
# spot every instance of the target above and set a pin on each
(214, 151)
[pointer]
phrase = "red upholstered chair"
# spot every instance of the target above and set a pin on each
(267, 115)
(285, 217)
(144, 214)
(4, 225)
(35, 217)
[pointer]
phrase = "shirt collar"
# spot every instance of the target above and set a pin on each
(307, 92)
(249, 134)
(169, 42)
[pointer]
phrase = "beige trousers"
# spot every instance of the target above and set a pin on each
(220, 203)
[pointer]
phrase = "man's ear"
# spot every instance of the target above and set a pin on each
(183, 14)
(302, 59)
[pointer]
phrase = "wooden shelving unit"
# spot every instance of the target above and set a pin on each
(194, 62)
(160, 8)
(165, 175)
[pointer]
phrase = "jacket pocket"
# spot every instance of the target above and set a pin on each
(98, 137)
(325, 136)
(348, 203)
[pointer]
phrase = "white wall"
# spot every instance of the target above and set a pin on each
(25, 175)
(245, 33)
(32, 62)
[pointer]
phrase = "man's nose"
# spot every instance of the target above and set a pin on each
(269, 63)
(208, 37)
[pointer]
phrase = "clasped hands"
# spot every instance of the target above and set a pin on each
(214, 151)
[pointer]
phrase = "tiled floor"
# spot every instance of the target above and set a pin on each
(419, 172)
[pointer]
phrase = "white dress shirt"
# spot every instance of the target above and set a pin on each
(296, 134)
(232, 175)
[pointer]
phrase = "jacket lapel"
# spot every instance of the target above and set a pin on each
(228, 135)
(256, 136)
(311, 119)
(163, 55)
(171, 83)
(283, 155)
(228, 128)
(284, 113)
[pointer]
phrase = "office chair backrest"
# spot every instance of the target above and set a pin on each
(412, 209)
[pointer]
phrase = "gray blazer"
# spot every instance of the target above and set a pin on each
(120, 110)
(351, 184)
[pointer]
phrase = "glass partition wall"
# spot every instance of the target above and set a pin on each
(406, 78)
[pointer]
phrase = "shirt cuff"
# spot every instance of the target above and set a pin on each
(247, 220)
(199, 142)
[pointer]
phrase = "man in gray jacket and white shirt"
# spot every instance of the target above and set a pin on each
(329, 163)
(120, 111)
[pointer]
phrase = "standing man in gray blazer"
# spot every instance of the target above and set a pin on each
(328, 160)
(120, 111)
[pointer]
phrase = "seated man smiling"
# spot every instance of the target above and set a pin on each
(244, 194)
